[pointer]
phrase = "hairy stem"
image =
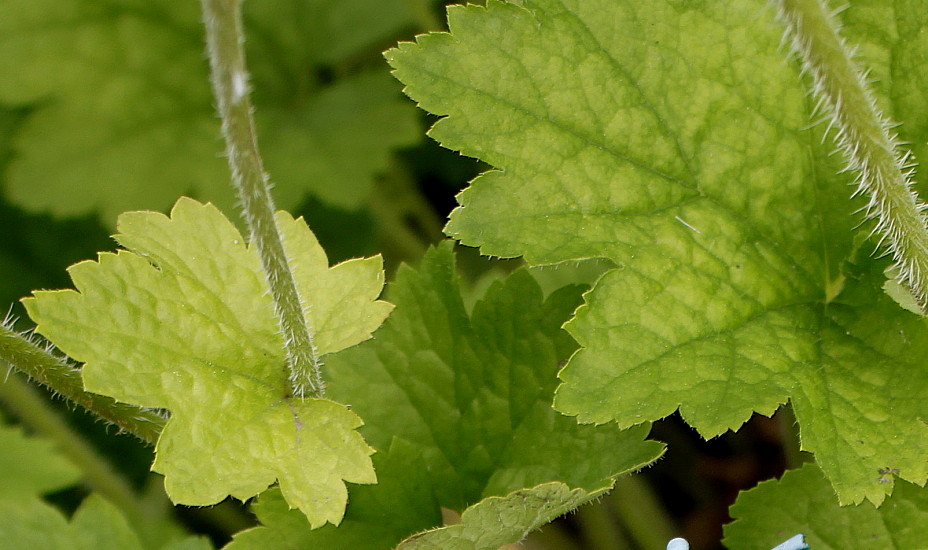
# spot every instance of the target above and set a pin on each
(34, 412)
(47, 369)
(224, 39)
(864, 136)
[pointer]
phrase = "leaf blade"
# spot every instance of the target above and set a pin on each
(182, 320)
(695, 172)
(812, 509)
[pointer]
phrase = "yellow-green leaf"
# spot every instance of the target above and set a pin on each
(183, 320)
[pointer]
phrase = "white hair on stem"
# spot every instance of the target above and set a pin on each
(863, 135)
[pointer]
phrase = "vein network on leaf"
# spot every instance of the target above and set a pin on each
(181, 319)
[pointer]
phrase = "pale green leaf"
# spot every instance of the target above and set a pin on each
(97, 524)
(30, 466)
(125, 119)
(802, 501)
(673, 139)
(378, 516)
(183, 320)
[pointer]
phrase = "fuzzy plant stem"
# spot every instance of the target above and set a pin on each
(864, 136)
(21, 353)
(225, 46)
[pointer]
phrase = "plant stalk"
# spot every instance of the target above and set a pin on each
(62, 378)
(599, 529)
(864, 137)
(641, 513)
(225, 46)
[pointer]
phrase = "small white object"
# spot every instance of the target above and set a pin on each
(678, 544)
(796, 543)
(679, 219)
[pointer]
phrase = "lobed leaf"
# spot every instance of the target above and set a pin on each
(378, 516)
(473, 391)
(463, 403)
(124, 106)
(183, 320)
(96, 524)
(30, 467)
(803, 502)
(672, 139)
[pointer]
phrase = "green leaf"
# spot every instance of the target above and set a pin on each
(672, 138)
(378, 516)
(463, 403)
(496, 521)
(473, 392)
(96, 524)
(803, 502)
(126, 112)
(183, 320)
(30, 467)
